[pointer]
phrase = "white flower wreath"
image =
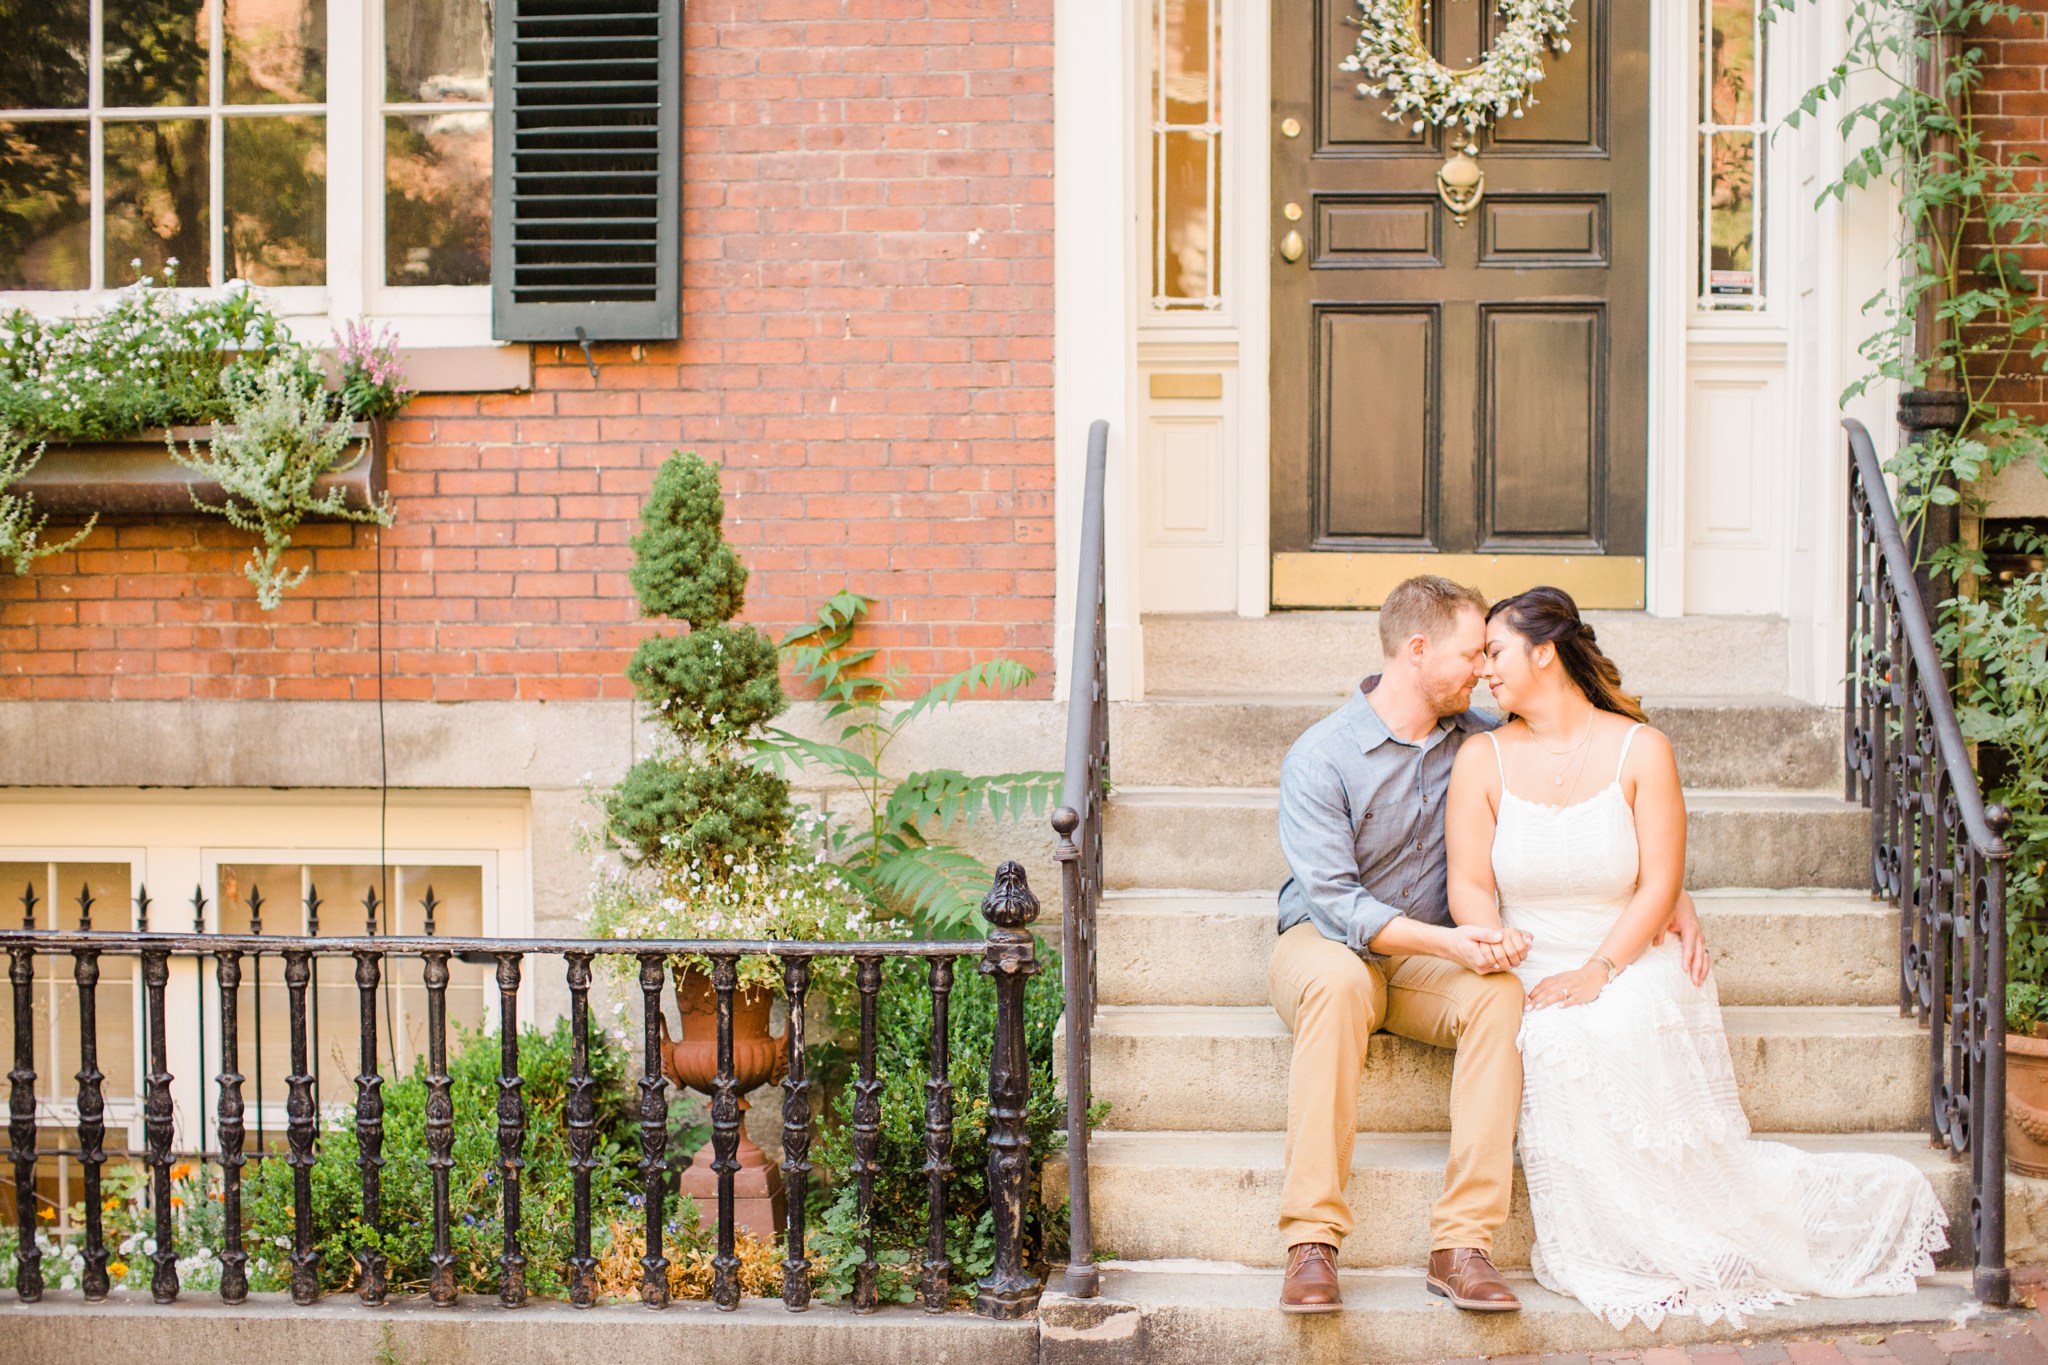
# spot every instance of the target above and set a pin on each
(1399, 68)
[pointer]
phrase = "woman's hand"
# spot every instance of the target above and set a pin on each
(1580, 987)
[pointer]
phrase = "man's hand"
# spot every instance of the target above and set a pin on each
(1692, 941)
(1484, 950)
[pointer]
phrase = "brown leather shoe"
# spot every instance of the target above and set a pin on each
(1467, 1278)
(1311, 1283)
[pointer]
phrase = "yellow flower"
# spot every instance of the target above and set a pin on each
(47, 1215)
(117, 1267)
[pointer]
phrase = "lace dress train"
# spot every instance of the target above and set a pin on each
(1650, 1197)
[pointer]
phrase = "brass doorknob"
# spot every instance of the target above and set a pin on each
(1291, 247)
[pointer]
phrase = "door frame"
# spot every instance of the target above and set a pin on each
(1672, 30)
(1098, 77)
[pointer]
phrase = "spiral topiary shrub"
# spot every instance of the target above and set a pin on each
(698, 800)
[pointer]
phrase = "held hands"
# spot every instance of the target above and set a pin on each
(1580, 987)
(1484, 950)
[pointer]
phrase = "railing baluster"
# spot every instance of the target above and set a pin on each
(867, 1133)
(440, 1126)
(370, 1125)
(256, 1005)
(92, 1116)
(653, 1132)
(21, 1121)
(511, 1129)
(1007, 1291)
(581, 1110)
(725, 1138)
(156, 971)
(796, 1139)
(298, 970)
(938, 1138)
(234, 1261)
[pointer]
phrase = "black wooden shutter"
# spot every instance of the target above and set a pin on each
(586, 203)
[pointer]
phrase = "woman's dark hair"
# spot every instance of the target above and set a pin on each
(1548, 616)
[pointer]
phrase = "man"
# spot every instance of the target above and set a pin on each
(1367, 942)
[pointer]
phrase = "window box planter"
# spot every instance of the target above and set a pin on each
(134, 478)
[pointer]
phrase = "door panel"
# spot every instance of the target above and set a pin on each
(1456, 389)
(1379, 470)
(1541, 457)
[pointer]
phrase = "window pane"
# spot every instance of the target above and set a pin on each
(276, 51)
(1187, 222)
(47, 51)
(45, 208)
(156, 199)
(153, 52)
(1731, 215)
(1183, 85)
(1732, 79)
(275, 199)
(437, 199)
(437, 50)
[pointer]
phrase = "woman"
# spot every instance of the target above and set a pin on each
(1650, 1197)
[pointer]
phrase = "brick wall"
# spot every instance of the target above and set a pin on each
(2012, 116)
(867, 295)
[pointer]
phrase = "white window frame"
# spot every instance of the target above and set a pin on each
(167, 849)
(422, 316)
(1778, 52)
(1230, 277)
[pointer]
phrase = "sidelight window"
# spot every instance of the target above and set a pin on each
(1187, 155)
(1732, 131)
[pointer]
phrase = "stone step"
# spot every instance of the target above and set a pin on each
(1729, 742)
(1770, 948)
(1812, 1069)
(1325, 653)
(1216, 1196)
(1225, 839)
(1178, 1313)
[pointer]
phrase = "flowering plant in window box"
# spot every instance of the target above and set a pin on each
(158, 405)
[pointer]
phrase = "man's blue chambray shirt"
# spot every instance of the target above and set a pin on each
(1362, 822)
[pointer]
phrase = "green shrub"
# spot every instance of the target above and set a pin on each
(476, 1197)
(902, 1194)
(697, 803)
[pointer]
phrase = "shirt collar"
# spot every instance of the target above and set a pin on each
(1372, 732)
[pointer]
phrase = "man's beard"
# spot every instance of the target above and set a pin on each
(1450, 701)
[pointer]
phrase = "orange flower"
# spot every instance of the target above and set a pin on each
(47, 1215)
(110, 1205)
(117, 1267)
(176, 1202)
(181, 1170)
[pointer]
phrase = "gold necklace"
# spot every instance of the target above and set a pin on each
(1577, 751)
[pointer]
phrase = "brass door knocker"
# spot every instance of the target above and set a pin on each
(1461, 184)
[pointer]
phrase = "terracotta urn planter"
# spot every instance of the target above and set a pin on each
(757, 1058)
(2026, 1104)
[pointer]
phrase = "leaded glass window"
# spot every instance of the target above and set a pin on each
(1187, 154)
(1731, 156)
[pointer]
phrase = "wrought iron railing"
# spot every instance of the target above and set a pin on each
(1936, 852)
(1078, 822)
(1007, 955)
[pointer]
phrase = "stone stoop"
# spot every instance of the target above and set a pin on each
(1193, 1062)
(1178, 1313)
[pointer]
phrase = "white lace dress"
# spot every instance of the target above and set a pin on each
(1649, 1195)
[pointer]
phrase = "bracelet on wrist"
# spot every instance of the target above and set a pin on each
(1607, 962)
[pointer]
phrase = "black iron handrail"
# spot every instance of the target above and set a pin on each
(1937, 852)
(1007, 955)
(1078, 823)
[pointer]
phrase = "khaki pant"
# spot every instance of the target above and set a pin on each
(1333, 999)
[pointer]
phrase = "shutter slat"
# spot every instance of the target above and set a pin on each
(587, 221)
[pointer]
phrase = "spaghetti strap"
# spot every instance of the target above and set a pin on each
(1498, 766)
(1626, 740)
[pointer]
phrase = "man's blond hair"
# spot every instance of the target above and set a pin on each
(1424, 605)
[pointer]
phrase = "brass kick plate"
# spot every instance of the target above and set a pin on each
(1335, 579)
